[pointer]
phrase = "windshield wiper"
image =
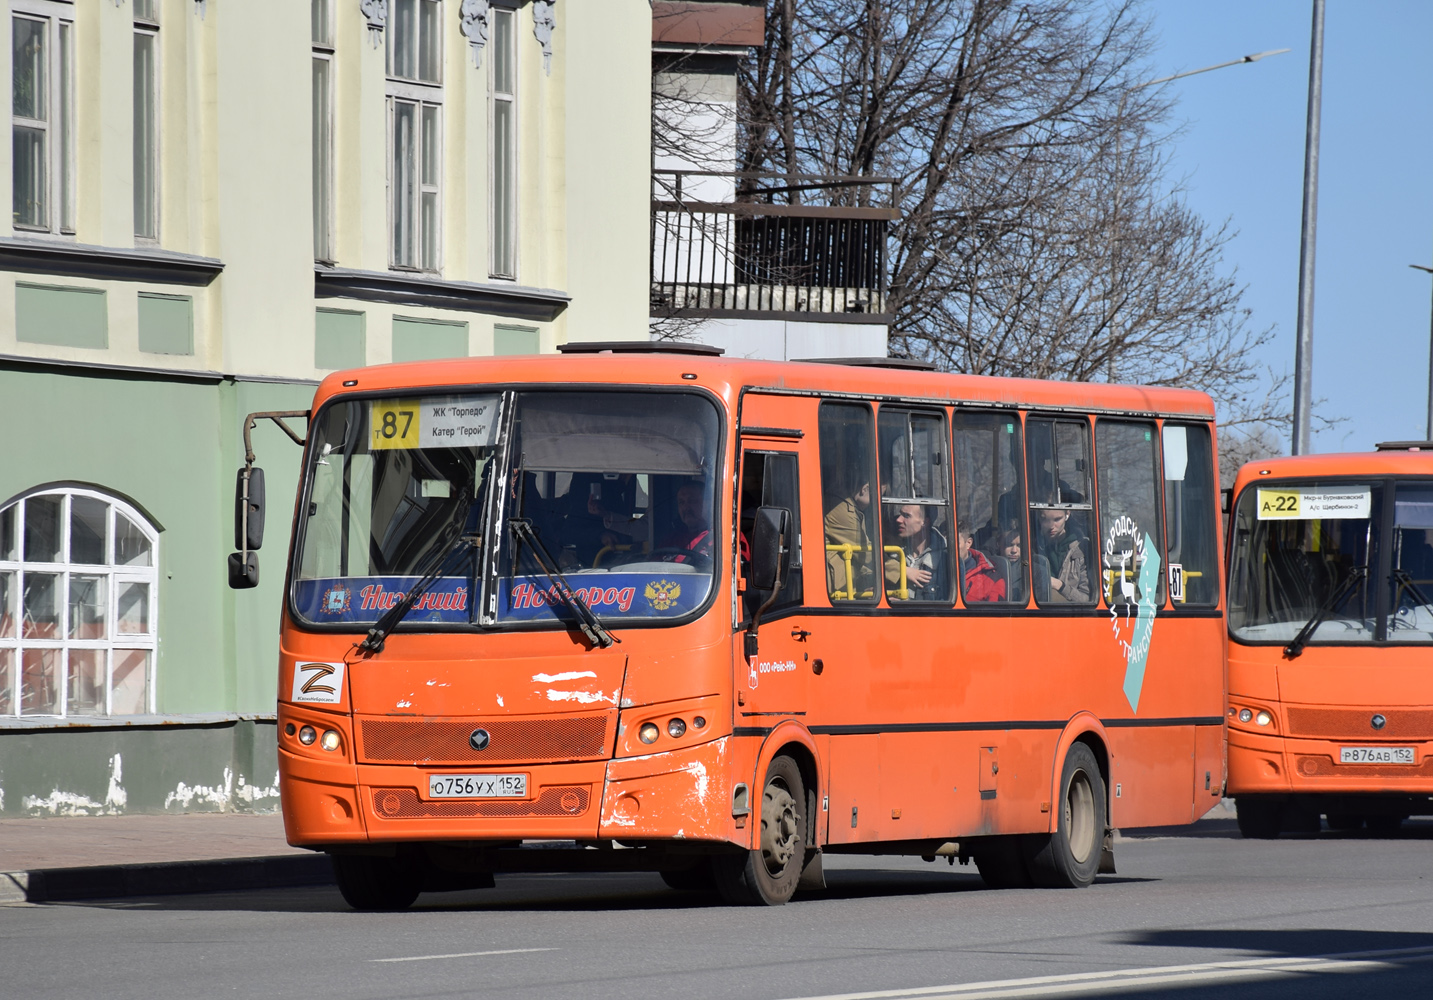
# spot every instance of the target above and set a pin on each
(1295, 648)
(590, 625)
(1405, 582)
(384, 627)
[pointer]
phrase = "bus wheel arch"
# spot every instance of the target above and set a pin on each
(1087, 729)
(790, 739)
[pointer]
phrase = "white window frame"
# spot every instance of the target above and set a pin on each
(150, 27)
(115, 576)
(422, 97)
(503, 259)
(59, 124)
(323, 146)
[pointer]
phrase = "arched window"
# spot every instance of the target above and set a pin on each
(78, 589)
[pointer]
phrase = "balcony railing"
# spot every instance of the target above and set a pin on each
(722, 243)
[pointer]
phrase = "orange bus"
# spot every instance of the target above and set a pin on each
(1331, 629)
(636, 608)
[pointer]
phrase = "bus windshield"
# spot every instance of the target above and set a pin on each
(1315, 553)
(615, 487)
(618, 489)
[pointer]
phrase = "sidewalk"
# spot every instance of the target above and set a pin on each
(91, 857)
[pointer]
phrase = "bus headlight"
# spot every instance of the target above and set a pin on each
(649, 732)
(1245, 715)
(330, 740)
(676, 728)
(307, 735)
(1263, 718)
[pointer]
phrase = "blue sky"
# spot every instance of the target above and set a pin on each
(1241, 154)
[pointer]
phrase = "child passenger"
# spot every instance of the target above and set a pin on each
(981, 583)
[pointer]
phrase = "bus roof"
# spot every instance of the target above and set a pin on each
(726, 376)
(1386, 462)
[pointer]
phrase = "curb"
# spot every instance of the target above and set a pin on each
(52, 885)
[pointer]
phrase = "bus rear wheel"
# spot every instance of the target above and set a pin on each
(377, 883)
(768, 875)
(1069, 858)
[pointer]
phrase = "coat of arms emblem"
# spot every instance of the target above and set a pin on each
(335, 600)
(662, 594)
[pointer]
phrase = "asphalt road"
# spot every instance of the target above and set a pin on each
(1188, 916)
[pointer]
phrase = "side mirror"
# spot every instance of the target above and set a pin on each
(243, 571)
(770, 547)
(249, 533)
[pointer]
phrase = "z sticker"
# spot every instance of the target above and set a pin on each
(321, 682)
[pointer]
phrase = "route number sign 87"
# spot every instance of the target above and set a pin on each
(393, 423)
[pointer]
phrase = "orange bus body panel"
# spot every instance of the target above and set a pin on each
(1326, 698)
(914, 726)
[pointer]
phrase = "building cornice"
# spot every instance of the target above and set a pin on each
(541, 305)
(82, 260)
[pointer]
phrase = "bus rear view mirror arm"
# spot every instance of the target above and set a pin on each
(249, 502)
(770, 560)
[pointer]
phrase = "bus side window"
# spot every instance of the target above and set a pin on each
(1131, 542)
(1063, 560)
(1189, 512)
(916, 533)
(771, 479)
(990, 504)
(847, 486)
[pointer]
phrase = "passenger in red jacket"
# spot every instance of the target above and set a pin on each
(981, 583)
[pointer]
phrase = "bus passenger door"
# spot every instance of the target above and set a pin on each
(772, 685)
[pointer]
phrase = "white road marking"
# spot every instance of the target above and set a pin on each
(463, 954)
(1089, 982)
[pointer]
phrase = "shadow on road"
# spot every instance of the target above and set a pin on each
(1384, 963)
(1228, 829)
(577, 892)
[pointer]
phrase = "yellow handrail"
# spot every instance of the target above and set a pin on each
(846, 550)
(903, 592)
(597, 559)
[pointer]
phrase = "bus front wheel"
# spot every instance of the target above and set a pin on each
(1260, 818)
(768, 875)
(1069, 858)
(377, 883)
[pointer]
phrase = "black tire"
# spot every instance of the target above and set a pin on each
(377, 883)
(768, 875)
(1259, 818)
(1344, 822)
(1383, 825)
(697, 878)
(1001, 861)
(1069, 858)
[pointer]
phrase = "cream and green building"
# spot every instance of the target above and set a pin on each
(214, 204)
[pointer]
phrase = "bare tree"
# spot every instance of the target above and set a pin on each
(1039, 234)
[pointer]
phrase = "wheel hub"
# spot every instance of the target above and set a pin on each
(1080, 817)
(780, 836)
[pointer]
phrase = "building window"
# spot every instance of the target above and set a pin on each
(78, 593)
(146, 119)
(415, 113)
(502, 150)
(42, 118)
(322, 30)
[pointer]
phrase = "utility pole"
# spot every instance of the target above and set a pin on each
(1428, 431)
(1304, 350)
